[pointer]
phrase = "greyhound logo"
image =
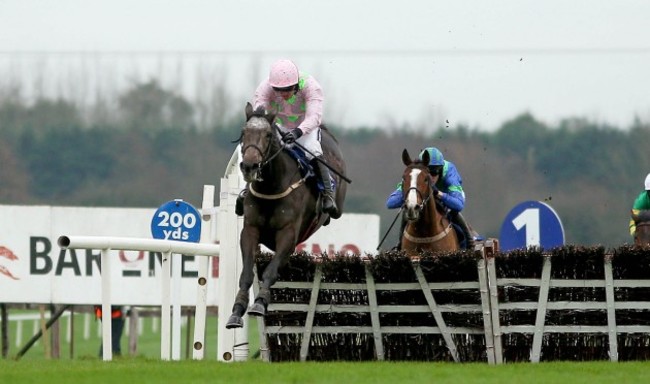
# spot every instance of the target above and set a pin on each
(7, 253)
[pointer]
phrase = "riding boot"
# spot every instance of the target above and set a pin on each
(239, 203)
(460, 220)
(323, 173)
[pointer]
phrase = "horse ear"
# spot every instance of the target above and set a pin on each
(249, 111)
(406, 159)
(426, 158)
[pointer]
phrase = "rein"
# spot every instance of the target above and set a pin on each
(424, 201)
(266, 159)
(265, 156)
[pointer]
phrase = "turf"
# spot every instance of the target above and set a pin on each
(142, 371)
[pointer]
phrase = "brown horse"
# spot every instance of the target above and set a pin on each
(282, 207)
(427, 228)
(642, 222)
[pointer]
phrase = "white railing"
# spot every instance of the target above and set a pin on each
(167, 248)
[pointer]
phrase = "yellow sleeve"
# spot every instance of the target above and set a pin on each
(632, 223)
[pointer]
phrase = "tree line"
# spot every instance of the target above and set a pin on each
(148, 148)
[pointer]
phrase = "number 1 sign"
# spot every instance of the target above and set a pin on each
(531, 224)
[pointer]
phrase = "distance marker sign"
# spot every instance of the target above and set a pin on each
(531, 224)
(177, 220)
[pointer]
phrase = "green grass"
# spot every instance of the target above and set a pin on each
(143, 371)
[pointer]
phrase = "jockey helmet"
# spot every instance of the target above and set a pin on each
(284, 73)
(647, 182)
(436, 160)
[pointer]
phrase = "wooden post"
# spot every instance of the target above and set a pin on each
(71, 328)
(4, 317)
(374, 315)
(611, 311)
(542, 303)
(56, 335)
(485, 305)
(265, 354)
(134, 320)
(44, 332)
(309, 321)
(494, 305)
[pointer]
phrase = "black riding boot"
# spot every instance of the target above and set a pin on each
(460, 220)
(329, 203)
(239, 203)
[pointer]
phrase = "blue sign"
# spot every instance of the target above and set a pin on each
(531, 224)
(176, 220)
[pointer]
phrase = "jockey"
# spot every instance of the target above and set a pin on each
(642, 202)
(297, 101)
(448, 189)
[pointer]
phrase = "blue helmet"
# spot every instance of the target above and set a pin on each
(435, 156)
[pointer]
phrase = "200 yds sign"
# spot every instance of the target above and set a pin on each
(177, 220)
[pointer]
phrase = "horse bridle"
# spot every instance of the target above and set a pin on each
(425, 240)
(265, 160)
(265, 156)
(424, 200)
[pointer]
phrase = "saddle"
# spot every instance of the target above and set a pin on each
(460, 233)
(307, 171)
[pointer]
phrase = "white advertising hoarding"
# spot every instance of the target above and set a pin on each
(34, 269)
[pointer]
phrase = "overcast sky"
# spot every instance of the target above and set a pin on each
(381, 63)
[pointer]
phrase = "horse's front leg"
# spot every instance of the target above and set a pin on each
(285, 245)
(249, 243)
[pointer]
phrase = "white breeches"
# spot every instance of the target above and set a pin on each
(311, 142)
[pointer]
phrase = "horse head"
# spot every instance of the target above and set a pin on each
(416, 185)
(258, 139)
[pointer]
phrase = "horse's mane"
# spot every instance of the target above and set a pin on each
(419, 163)
(259, 112)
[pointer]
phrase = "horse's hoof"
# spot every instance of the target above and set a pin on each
(235, 322)
(257, 309)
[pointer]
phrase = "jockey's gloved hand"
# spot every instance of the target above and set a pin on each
(292, 135)
(436, 192)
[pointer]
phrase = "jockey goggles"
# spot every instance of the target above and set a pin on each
(285, 89)
(435, 170)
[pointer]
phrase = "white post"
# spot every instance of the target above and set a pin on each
(200, 313)
(107, 331)
(230, 266)
(165, 310)
(176, 306)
